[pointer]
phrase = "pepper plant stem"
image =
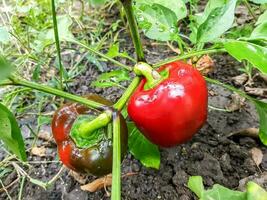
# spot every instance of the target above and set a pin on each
(229, 87)
(50, 90)
(126, 95)
(61, 72)
(116, 161)
(188, 55)
(100, 121)
(101, 54)
(127, 5)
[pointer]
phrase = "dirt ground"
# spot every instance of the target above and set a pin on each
(210, 154)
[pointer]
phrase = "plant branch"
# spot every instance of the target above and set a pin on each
(61, 72)
(101, 55)
(5, 82)
(127, 5)
(127, 93)
(250, 9)
(188, 55)
(60, 93)
(116, 159)
(229, 87)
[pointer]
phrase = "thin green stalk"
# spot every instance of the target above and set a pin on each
(101, 55)
(188, 55)
(21, 187)
(116, 161)
(127, 5)
(61, 70)
(60, 93)
(250, 10)
(127, 93)
(5, 83)
(229, 87)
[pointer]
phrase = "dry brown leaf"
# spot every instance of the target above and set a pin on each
(102, 182)
(248, 132)
(257, 155)
(260, 179)
(240, 79)
(176, 50)
(98, 184)
(261, 92)
(263, 76)
(80, 178)
(45, 135)
(236, 103)
(205, 64)
(38, 151)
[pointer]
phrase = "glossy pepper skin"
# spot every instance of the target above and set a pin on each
(96, 160)
(174, 110)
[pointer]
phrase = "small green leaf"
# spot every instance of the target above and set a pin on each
(157, 21)
(195, 183)
(262, 111)
(111, 79)
(97, 2)
(47, 37)
(259, 1)
(255, 54)
(5, 68)
(43, 120)
(218, 22)
(94, 138)
(255, 192)
(4, 35)
(114, 51)
(142, 149)
(219, 192)
(92, 59)
(260, 32)
(10, 133)
(262, 18)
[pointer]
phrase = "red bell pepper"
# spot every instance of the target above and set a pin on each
(171, 112)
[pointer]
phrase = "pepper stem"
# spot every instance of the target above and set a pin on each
(85, 129)
(151, 75)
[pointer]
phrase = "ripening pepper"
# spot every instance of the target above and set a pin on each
(96, 160)
(174, 109)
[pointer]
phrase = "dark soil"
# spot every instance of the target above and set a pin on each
(210, 154)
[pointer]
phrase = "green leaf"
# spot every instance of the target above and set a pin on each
(10, 133)
(195, 183)
(114, 51)
(260, 32)
(97, 2)
(211, 5)
(142, 149)
(47, 37)
(5, 68)
(4, 35)
(259, 1)
(219, 192)
(218, 22)
(111, 79)
(94, 138)
(177, 6)
(255, 192)
(158, 19)
(93, 59)
(255, 54)
(262, 111)
(43, 120)
(262, 18)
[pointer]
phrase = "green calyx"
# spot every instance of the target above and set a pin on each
(88, 130)
(153, 77)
